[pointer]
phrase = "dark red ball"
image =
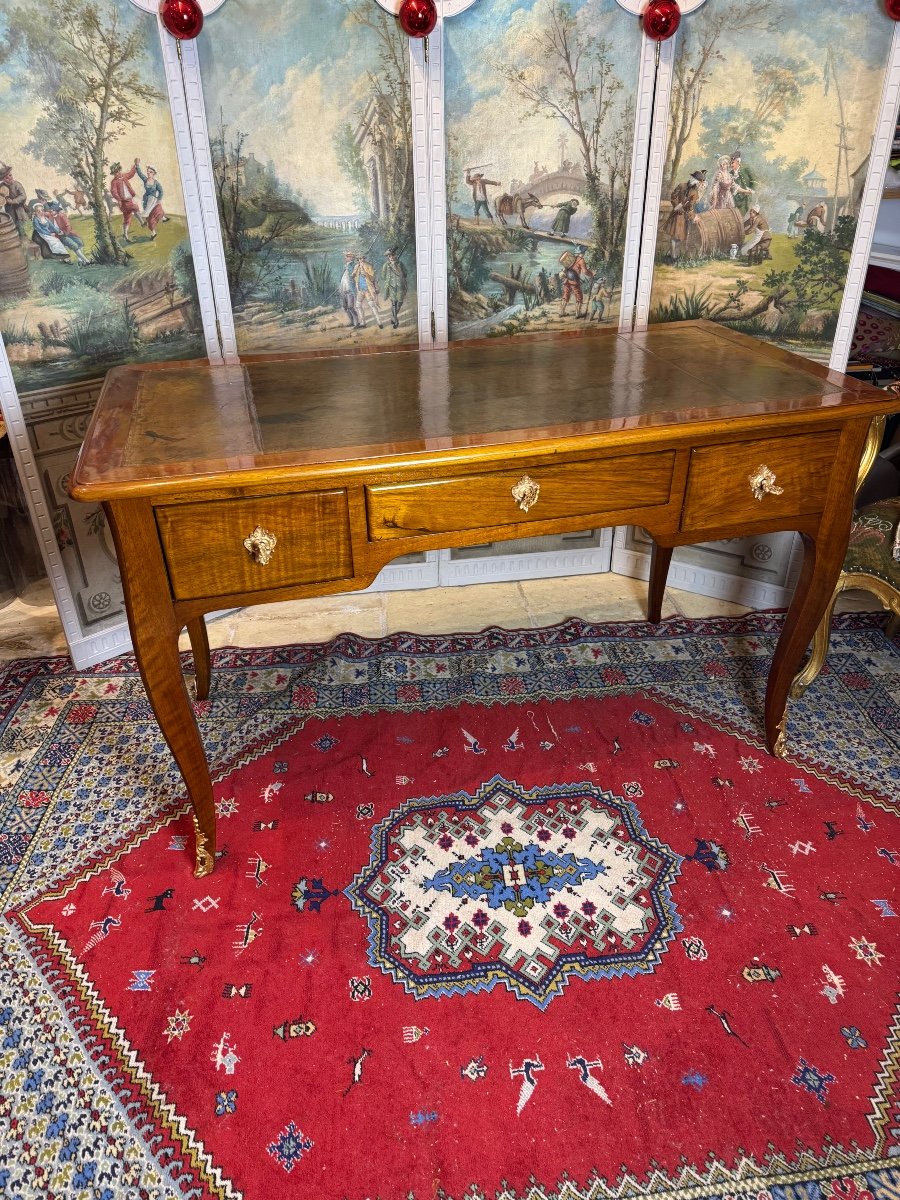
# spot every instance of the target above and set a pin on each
(661, 18)
(893, 8)
(182, 18)
(417, 17)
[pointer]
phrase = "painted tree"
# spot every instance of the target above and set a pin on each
(752, 123)
(570, 76)
(87, 68)
(699, 55)
(389, 118)
(779, 85)
(257, 211)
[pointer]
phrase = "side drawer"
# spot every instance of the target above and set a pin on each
(719, 491)
(480, 501)
(205, 552)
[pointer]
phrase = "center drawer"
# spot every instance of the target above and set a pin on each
(206, 555)
(477, 501)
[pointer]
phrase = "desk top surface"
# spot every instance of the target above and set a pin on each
(165, 424)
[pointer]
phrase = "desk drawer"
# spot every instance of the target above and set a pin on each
(719, 490)
(206, 556)
(481, 501)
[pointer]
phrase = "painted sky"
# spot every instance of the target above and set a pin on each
(153, 142)
(859, 32)
(486, 121)
(290, 75)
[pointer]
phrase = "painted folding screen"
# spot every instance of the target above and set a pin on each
(96, 264)
(308, 107)
(539, 101)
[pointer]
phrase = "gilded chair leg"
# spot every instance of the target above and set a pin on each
(819, 650)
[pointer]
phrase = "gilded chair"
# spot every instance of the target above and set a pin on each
(872, 562)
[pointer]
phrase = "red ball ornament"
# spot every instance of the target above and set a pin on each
(661, 18)
(182, 18)
(417, 17)
(893, 8)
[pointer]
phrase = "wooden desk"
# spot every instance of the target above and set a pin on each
(303, 475)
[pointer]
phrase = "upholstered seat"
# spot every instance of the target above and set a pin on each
(872, 564)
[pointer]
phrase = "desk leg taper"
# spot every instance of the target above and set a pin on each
(660, 558)
(200, 650)
(823, 558)
(824, 550)
(154, 633)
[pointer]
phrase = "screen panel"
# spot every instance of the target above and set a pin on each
(313, 169)
(771, 121)
(96, 267)
(540, 116)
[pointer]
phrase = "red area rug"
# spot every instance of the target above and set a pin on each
(529, 947)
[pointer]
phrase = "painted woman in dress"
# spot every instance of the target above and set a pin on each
(151, 208)
(45, 235)
(722, 194)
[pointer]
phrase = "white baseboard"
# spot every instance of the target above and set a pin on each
(691, 578)
(98, 647)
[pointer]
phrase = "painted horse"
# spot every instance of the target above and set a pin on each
(516, 206)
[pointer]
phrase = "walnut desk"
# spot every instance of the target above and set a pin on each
(302, 475)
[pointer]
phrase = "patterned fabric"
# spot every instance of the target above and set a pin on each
(875, 542)
(526, 914)
(875, 333)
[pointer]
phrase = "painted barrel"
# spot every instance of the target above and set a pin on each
(14, 279)
(715, 232)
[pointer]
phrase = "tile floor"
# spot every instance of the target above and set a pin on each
(30, 626)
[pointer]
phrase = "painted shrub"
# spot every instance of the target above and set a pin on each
(308, 106)
(772, 116)
(540, 122)
(95, 265)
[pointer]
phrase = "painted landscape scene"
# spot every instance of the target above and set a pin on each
(540, 122)
(771, 120)
(95, 265)
(312, 158)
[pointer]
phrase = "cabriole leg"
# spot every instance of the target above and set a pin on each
(154, 634)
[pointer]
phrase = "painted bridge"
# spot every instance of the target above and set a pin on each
(555, 183)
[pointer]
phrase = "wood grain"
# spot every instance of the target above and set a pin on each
(719, 490)
(475, 501)
(206, 555)
(154, 636)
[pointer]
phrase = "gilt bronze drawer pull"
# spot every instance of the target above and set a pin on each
(762, 483)
(526, 492)
(260, 545)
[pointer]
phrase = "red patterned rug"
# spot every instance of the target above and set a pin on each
(524, 915)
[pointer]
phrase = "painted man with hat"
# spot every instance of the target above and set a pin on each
(394, 283)
(684, 200)
(574, 269)
(347, 291)
(757, 234)
(563, 219)
(16, 198)
(123, 194)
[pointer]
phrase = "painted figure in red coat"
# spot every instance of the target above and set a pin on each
(123, 194)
